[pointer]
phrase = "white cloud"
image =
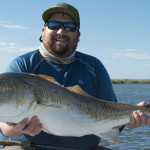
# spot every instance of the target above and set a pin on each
(12, 47)
(131, 53)
(8, 37)
(13, 26)
(6, 44)
(124, 50)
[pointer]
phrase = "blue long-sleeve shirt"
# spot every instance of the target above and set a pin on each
(86, 71)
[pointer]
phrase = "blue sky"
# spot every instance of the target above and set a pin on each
(115, 31)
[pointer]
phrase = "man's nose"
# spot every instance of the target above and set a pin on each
(61, 30)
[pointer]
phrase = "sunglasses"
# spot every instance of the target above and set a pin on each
(68, 26)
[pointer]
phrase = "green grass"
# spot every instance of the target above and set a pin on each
(131, 81)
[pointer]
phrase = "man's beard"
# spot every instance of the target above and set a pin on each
(64, 51)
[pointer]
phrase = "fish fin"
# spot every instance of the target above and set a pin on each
(77, 89)
(51, 105)
(111, 135)
(48, 78)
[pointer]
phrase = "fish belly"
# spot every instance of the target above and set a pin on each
(66, 122)
(15, 114)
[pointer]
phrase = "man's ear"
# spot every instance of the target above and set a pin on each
(79, 34)
(43, 29)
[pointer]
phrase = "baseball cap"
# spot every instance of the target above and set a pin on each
(64, 8)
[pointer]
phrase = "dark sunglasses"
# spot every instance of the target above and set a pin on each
(68, 26)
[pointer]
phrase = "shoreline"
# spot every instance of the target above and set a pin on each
(130, 81)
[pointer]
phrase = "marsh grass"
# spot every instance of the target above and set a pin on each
(131, 81)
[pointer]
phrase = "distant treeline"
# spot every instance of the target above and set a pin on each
(131, 81)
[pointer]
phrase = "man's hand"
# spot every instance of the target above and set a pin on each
(138, 118)
(32, 127)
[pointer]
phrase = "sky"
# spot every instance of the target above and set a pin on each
(115, 31)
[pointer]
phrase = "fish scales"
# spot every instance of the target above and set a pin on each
(64, 111)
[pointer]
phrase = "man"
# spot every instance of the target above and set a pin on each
(57, 57)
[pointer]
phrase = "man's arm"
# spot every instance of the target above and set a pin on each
(31, 128)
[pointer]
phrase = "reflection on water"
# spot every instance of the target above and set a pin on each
(132, 139)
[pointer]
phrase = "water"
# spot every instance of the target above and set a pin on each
(132, 139)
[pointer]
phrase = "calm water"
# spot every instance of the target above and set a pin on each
(132, 139)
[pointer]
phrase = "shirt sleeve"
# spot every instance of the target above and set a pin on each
(17, 65)
(105, 89)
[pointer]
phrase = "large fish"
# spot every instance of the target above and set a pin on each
(62, 111)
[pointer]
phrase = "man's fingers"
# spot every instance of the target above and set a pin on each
(137, 118)
(21, 125)
(11, 124)
(132, 122)
(34, 127)
(36, 130)
(143, 118)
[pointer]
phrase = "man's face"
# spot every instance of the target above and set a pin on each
(59, 42)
